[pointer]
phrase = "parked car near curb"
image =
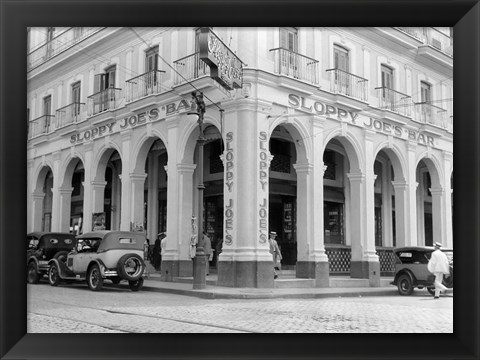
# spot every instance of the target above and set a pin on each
(100, 255)
(411, 269)
(41, 248)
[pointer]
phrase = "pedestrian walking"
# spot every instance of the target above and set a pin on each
(439, 266)
(157, 252)
(275, 251)
(207, 248)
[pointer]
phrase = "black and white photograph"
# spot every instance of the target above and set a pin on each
(307, 169)
(273, 180)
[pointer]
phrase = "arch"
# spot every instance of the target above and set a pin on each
(351, 145)
(40, 175)
(433, 166)
(101, 160)
(142, 148)
(68, 167)
(394, 153)
(187, 143)
(299, 134)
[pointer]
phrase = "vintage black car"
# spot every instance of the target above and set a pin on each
(99, 255)
(41, 248)
(411, 269)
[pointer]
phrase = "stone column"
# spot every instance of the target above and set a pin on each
(126, 184)
(447, 200)
(439, 215)
(37, 210)
(137, 193)
(88, 191)
(411, 204)
(55, 224)
(152, 215)
(420, 211)
(245, 260)
(387, 206)
(65, 204)
(357, 223)
(401, 212)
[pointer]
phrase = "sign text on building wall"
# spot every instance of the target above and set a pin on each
(319, 108)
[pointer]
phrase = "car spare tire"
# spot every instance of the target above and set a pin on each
(130, 267)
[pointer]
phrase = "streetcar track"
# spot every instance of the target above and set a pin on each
(142, 315)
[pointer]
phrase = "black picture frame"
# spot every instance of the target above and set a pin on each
(16, 15)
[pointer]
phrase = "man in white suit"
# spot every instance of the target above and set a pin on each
(438, 265)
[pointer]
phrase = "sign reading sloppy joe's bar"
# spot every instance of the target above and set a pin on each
(334, 112)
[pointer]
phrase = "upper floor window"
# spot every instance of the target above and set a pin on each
(47, 105)
(105, 80)
(425, 91)
(387, 77)
(151, 59)
(289, 39)
(76, 97)
(341, 59)
(50, 33)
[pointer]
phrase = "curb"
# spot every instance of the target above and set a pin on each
(208, 294)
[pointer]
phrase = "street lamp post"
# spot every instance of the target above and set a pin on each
(199, 261)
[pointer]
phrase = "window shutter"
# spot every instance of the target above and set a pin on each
(98, 83)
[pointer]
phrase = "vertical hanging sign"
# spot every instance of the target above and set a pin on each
(225, 67)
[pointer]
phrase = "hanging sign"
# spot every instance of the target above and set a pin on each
(225, 67)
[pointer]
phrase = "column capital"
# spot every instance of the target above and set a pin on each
(305, 168)
(438, 191)
(98, 183)
(138, 176)
(448, 156)
(172, 122)
(65, 190)
(400, 184)
(38, 195)
(356, 176)
(369, 135)
(186, 168)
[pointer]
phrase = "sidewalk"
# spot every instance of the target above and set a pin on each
(183, 286)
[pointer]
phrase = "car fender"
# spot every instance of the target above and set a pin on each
(100, 264)
(34, 259)
(406, 272)
(63, 271)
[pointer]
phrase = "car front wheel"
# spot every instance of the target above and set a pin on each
(405, 285)
(53, 276)
(32, 274)
(136, 285)
(94, 278)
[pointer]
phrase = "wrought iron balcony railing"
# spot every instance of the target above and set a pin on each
(69, 114)
(298, 66)
(394, 101)
(58, 44)
(41, 125)
(431, 114)
(107, 99)
(189, 68)
(342, 82)
(144, 85)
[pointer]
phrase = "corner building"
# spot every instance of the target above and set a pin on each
(340, 140)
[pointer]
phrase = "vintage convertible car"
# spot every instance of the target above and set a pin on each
(99, 255)
(41, 248)
(411, 269)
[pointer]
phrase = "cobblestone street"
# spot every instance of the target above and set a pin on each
(76, 309)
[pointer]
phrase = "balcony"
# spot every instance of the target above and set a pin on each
(104, 100)
(431, 114)
(144, 85)
(295, 65)
(342, 82)
(412, 31)
(189, 68)
(58, 44)
(440, 41)
(69, 114)
(41, 125)
(394, 101)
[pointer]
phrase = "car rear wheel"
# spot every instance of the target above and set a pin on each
(405, 285)
(94, 278)
(130, 267)
(61, 256)
(53, 276)
(136, 285)
(32, 274)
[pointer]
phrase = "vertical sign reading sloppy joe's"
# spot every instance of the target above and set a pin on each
(263, 177)
(229, 183)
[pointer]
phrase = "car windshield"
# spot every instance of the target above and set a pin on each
(412, 257)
